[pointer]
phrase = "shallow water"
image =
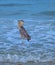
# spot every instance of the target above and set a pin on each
(27, 64)
(40, 24)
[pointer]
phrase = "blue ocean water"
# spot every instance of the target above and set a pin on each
(39, 21)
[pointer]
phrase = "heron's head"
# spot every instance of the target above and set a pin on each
(20, 23)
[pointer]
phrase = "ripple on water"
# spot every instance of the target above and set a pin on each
(40, 48)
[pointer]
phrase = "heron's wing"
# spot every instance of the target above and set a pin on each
(24, 33)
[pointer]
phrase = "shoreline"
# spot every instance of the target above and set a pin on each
(28, 63)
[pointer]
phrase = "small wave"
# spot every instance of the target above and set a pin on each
(15, 5)
(15, 58)
(47, 13)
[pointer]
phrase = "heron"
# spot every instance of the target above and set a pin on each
(23, 32)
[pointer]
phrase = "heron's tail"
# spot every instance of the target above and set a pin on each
(29, 38)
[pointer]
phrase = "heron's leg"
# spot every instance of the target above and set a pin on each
(22, 41)
(22, 38)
